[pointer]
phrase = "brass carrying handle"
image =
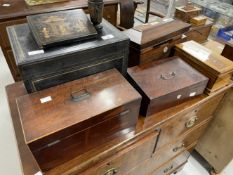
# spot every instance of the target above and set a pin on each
(191, 122)
(168, 76)
(112, 171)
(178, 147)
(168, 169)
(80, 95)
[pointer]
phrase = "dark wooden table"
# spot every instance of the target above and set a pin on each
(144, 126)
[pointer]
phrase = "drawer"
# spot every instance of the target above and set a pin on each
(126, 159)
(183, 123)
(199, 34)
(173, 165)
(4, 41)
(173, 149)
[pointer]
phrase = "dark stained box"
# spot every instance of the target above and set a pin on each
(165, 83)
(155, 40)
(65, 121)
(41, 69)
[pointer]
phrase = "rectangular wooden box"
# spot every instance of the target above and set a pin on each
(41, 69)
(198, 20)
(216, 67)
(186, 15)
(155, 40)
(65, 121)
(165, 83)
(200, 34)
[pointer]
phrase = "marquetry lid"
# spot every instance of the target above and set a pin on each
(206, 58)
(79, 103)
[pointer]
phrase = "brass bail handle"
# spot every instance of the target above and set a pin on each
(191, 122)
(168, 76)
(111, 171)
(80, 95)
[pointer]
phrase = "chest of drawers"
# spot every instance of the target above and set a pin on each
(159, 145)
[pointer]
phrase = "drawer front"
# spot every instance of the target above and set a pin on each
(183, 123)
(56, 150)
(4, 40)
(11, 63)
(173, 165)
(72, 74)
(199, 35)
(170, 151)
(126, 159)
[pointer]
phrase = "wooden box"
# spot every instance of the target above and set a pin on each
(187, 14)
(41, 69)
(155, 40)
(198, 20)
(216, 67)
(165, 83)
(65, 121)
(200, 33)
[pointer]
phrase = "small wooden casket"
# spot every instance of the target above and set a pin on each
(165, 83)
(155, 40)
(216, 67)
(186, 14)
(67, 120)
(41, 69)
(198, 20)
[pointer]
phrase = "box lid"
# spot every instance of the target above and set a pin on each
(52, 110)
(162, 77)
(62, 27)
(154, 33)
(27, 52)
(212, 62)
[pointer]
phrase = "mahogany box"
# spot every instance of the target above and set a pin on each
(186, 14)
(165, 83)
(41, 69)
(155, 40)
(64, 121)
(216, 67)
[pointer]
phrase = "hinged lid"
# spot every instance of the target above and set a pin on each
(207, 59)
(59, 28)
(52, 110)
(151, 34)
(162, 77)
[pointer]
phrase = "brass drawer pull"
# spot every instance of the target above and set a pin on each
(111, 171)
(191, 122)
(168, 169)
(178, 147)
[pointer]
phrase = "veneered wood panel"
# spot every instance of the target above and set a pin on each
(216, 145)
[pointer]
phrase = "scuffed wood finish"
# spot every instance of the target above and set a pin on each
(55, 136)
(216, 67)
(217, 143)
(146, 128)
(187, 14)
(165, 83)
